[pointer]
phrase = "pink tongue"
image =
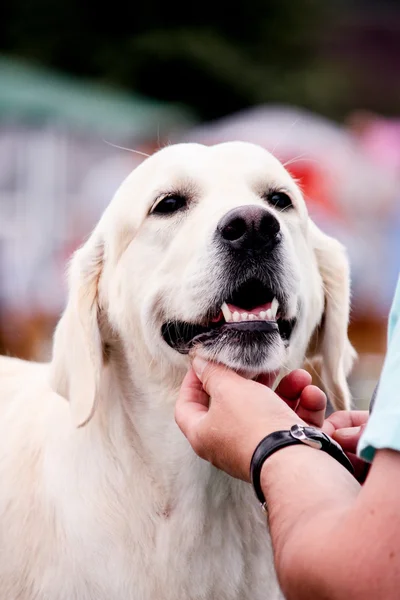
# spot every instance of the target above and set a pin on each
(253, 311)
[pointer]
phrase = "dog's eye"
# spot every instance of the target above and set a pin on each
(170, 204)
(279, 200)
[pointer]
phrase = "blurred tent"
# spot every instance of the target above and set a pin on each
(33, 95)
(59, 168)
(350, 195)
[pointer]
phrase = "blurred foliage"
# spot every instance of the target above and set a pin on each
(217, 57)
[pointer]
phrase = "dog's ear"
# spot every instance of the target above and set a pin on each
(330, 349)
(77, 351)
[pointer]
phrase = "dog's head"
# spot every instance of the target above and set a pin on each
(208, 249)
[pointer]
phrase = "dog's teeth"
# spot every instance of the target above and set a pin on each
(267, 315)
(274, 307)
(226, 312)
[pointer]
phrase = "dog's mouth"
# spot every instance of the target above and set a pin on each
(253, 310)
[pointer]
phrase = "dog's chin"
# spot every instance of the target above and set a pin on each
(250, 348)
(250, 359)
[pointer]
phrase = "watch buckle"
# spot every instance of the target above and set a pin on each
(298, 433)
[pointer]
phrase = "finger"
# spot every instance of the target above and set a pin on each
(345, 418)
(192, 388)
(291, 386)
(216, 378)
(312, 406)
(192, 404)
(348, 437)
(328, 427)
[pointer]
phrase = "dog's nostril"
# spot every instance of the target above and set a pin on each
(269, 227)
(234, 230)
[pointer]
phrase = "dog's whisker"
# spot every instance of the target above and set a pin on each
(127, 149)
(289, 129)
(301, 158)
(281, 210)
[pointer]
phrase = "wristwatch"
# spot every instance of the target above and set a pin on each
(310, 436)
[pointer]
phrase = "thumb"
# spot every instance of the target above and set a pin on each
(192, 404)
(215, 378)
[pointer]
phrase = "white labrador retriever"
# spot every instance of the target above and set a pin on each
(101, 496)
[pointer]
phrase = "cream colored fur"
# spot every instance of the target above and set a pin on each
(101, 497)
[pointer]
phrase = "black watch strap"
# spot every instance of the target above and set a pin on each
(295, 435)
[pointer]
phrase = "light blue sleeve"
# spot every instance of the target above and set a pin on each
(383, 428)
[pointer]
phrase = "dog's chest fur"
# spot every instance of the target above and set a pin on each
(107, 516)
(204, 538)
(210, 543)
(197, 550)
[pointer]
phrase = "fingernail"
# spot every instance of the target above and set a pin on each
(348, 432)
(199, 364)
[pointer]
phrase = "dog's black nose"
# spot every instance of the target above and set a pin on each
(249, 229)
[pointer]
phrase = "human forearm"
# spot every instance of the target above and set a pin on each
(306, 492)
(330, 537)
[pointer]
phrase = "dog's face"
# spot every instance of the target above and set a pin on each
(221, 260)
(211, 249)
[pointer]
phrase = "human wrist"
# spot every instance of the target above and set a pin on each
(312, 463)
(263, 430)
(289, 455)
(297, 435)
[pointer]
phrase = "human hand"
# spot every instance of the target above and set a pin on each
(306, 400)
(225, 416)
(346, 428)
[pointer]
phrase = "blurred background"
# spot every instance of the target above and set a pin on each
(317, 83)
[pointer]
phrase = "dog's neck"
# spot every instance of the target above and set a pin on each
(139, 398)
(152, 448)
